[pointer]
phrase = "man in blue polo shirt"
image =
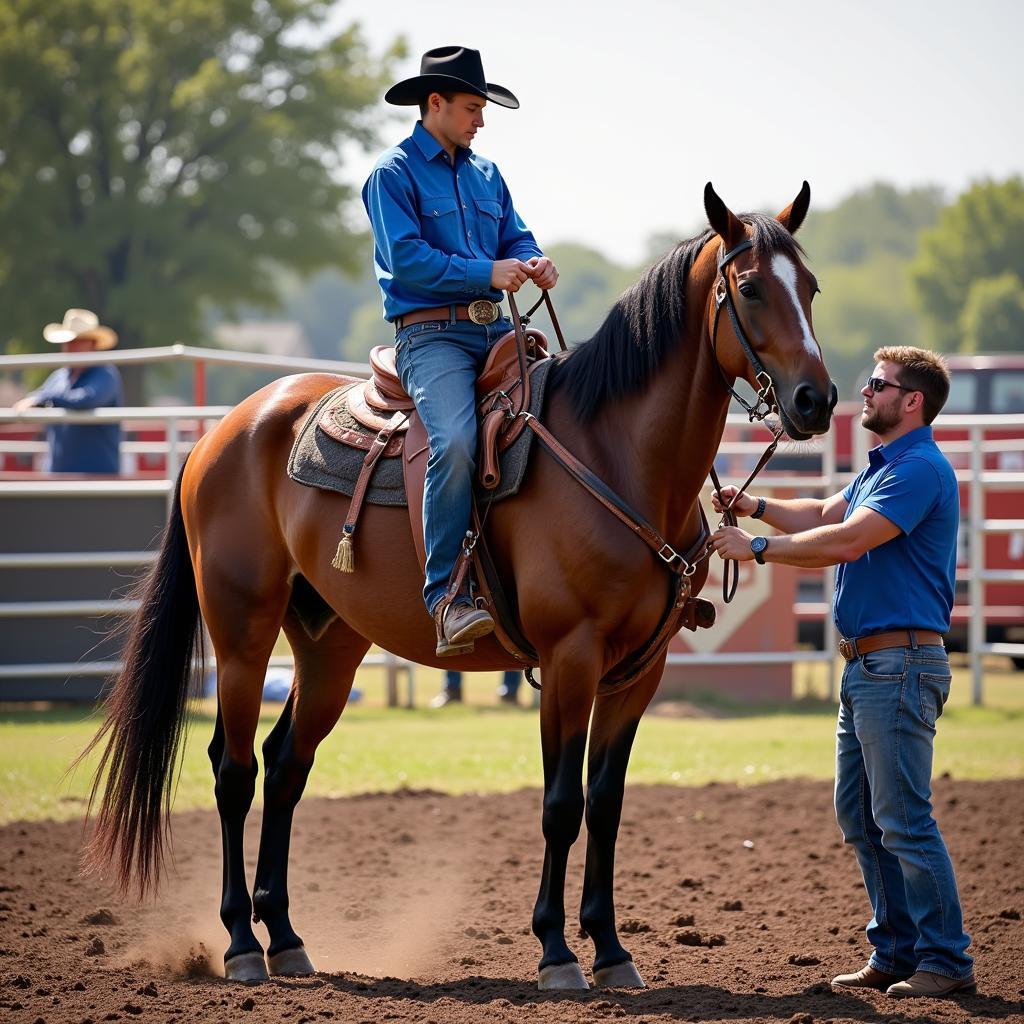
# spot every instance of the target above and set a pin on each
(892, 532)
(447, 242)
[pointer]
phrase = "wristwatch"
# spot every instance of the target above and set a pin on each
(759, 545)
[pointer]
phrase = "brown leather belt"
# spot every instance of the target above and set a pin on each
(482, 311)
(858, 646)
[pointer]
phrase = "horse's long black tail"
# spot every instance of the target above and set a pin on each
(145, 717)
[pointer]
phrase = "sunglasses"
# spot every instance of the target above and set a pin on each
(878, 385)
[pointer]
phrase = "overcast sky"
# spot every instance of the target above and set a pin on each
(628, 108)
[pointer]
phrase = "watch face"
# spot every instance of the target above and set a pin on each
(758, 544)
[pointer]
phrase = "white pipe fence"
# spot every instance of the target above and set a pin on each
(179, 421)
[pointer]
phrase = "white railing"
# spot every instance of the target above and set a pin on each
(184, 420)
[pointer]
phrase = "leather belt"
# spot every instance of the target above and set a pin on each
(859, 646)
(482, 311)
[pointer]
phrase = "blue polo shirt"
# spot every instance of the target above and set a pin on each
(909, 581)
(83, 447)
(438, 225)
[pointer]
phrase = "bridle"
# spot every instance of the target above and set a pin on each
(765, 403)
(723, 297)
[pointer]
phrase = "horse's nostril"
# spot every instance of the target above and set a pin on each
(805, 401)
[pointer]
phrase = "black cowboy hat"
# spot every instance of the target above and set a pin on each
(449, 69)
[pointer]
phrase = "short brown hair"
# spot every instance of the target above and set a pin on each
(446, 96)
(920, 370)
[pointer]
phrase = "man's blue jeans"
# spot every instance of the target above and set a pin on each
(438, 363)
(889, 703)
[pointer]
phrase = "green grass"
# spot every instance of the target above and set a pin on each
(481, 747)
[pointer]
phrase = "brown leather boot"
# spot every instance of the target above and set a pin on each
(458, 625)
(929, 985)
(868, 977)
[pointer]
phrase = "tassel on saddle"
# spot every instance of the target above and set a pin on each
(344, 558)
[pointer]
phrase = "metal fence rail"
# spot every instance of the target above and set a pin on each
(186, 420)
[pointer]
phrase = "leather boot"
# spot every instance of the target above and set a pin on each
(868, 977)
(458, 625)
(929, 985)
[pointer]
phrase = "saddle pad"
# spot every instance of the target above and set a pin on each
(317, 460)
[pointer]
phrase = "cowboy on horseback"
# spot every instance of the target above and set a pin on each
(447, 242)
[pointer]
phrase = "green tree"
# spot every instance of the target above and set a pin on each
(871, 221)
(861, 308)
(980, 236)
(159, 157)
(993, 315)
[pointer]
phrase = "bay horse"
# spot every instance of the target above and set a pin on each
(642, 404)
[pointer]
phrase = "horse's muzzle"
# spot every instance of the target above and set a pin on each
(809, 410)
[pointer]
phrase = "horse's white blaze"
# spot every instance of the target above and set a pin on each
(785, 270)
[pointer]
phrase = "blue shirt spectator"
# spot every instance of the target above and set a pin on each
(81, 447)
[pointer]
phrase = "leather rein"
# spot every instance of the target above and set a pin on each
(681, 565)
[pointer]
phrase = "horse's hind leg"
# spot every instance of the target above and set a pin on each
(612, 731)
(324, 669)
(244, 618)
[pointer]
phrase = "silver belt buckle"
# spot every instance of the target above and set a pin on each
(483, 311)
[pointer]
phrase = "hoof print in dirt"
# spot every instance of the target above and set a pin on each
(803, 960)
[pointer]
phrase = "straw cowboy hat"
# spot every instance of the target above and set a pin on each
(449, 69)
(80, 323)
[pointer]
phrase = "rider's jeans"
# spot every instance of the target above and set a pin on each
(889, 703)
(438, 363)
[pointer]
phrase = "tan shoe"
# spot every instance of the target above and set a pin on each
(868, 977)
(458, 625)
(929, 985)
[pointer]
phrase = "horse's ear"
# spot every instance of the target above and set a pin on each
(725, 223)
(793, 215)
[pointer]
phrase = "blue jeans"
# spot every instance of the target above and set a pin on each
(510, 681)
(438, 363)
(889, 703)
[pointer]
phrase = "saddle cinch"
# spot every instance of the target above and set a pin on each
(381, 404)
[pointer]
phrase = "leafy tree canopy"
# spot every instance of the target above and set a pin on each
(157, 156)
(993, 315)
(980, 236)
(871, 221)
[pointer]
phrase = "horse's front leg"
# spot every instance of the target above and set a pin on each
(567, 697)
(614, 726)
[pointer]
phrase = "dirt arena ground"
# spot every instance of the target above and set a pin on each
(737, 904)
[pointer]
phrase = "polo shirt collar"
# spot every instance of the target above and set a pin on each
(888, 452)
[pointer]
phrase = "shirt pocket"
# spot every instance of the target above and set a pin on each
(489, 219)
(441, 224)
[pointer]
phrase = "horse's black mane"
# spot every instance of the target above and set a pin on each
(647, 320)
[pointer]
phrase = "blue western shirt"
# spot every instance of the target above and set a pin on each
(909, 581)
(83, 447)
(438, 226)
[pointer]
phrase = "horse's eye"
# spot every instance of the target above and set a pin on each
(748, 291)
